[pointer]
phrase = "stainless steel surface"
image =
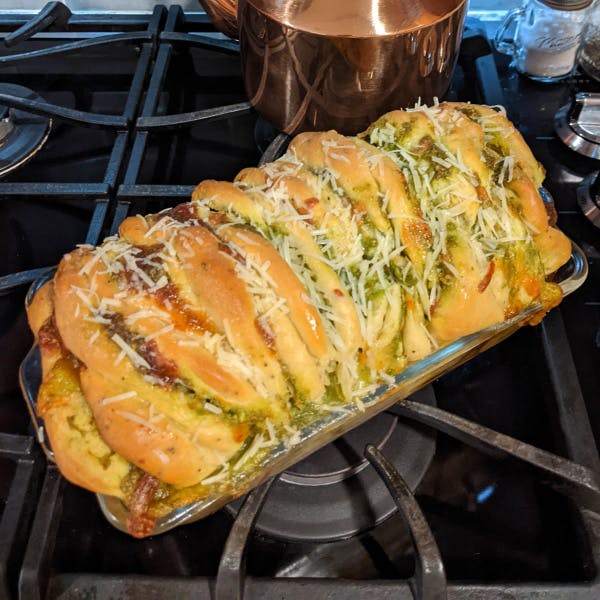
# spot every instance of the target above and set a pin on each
(578, 124)
(322, 65)
(586, 116)
(588, 200)
(22, 134)
(6, 128)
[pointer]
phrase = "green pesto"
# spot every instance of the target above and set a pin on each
(130, 480)
(452, 232)
(73, 425)
(105, 459)
(469, 112)
(396, 270)
(533, 259)
(445, 276)
(497, 148)
(275, 231)
(298, 396)
(365, 225)
(368, 242)
(359, 190)
(410, 280)
(153, 271)
(404, 130)
(493, 160)
(440, 172)
(169, 497)
(237, 416)
(303, 415)
(514, 202)
(401, 132)
(387, 146)
(427, 150)
(118, 326)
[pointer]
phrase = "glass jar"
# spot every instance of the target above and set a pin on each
(545, 37)
(589, 53)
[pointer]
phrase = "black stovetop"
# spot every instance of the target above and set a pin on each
(499, 528)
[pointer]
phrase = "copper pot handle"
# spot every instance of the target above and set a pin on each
(223, 14)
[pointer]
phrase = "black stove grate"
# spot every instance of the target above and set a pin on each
(21, 468)
(141, 163)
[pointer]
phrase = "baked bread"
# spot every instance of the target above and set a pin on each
(178, 352)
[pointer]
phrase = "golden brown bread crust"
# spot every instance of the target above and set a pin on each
(160, 446)
(505, 135)
(152, 426)
(330, 150)
(177, 352)
(404, 211)
(81, 454)
(489, 164)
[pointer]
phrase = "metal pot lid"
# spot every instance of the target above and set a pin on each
(357, 18)
(567, 4)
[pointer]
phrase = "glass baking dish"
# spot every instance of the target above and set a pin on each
(327, 428)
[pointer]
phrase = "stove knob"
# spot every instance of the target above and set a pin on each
(578, 124)
(595, 187)
(588, 197)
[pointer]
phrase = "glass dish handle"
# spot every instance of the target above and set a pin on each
(502, 42)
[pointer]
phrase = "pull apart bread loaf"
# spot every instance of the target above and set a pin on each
(176, 354)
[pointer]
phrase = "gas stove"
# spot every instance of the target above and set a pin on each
(111, 114)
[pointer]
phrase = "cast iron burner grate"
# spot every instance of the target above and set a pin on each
(146, 148)
(21, 470)
(333, 494)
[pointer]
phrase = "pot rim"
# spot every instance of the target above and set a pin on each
(461, 7)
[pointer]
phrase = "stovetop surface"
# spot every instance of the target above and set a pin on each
(494, 520)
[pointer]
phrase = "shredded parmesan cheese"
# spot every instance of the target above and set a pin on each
(212, 408)
(118, 398)
(250, 452)
(135, 358)
(162, 456)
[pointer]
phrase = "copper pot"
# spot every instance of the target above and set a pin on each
(321, 64)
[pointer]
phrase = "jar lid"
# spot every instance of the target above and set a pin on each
(567, 4)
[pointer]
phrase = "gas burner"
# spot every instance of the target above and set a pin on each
(588, 197)
(21, 134)
(578, 124)
(6, 124)
(334, 493)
